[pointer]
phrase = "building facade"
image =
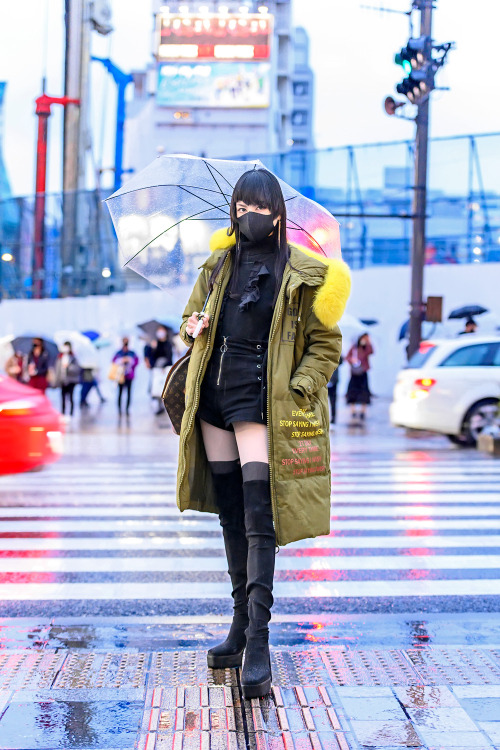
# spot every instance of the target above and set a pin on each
(221, 82)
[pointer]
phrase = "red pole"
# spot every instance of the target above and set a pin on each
(43, 113)
(43, 104)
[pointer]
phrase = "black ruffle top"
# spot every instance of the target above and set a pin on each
(247, 309)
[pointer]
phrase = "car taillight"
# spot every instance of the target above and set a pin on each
(425, 346)
(425, 384)
(16, 408)
(421, 388)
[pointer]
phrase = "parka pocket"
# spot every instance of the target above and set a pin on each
(303, 402)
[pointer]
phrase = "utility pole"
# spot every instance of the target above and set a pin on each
(81, 17)
(420, 60)
(417, 305)
(75, 127)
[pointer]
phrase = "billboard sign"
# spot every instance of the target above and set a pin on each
(214, 36)
(214, 84)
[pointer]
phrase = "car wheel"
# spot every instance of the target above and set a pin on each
(459, 440)
(480, 415)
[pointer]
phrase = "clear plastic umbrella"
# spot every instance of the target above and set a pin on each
(83, 348)
(165, 215)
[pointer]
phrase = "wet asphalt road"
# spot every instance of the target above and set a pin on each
(386, 634)
(414, 545)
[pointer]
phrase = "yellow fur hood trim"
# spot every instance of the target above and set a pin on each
(331, 276)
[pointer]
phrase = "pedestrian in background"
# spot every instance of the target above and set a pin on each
(89, 380)
(67, 376)
(470, 327)
(160, 359)
(332, 393)
(358, 390)
(38, 366)
(129, 360)
(15, 367)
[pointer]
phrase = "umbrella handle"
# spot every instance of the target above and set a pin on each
(198, 327)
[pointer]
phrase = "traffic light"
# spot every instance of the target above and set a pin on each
(418, 83)
(416, 61)
(414, 55)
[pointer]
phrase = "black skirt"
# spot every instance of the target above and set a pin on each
(234, 386)
(358, 391)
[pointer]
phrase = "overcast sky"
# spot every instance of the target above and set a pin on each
(352, 51)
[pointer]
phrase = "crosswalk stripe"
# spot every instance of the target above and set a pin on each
(198, 543)
(340, 511)
(195, 564)
(208, 590)
(185, 525)
(413, 525)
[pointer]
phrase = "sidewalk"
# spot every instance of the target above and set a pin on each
(326, 698)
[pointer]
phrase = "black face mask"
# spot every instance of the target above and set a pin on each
(256, 226)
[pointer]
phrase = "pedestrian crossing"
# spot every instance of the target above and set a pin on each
(412, 526)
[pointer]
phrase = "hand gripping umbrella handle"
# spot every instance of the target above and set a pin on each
(198, 328)
(201, 316)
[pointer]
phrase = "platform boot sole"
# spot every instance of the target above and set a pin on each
(258, 690)
(225, 662)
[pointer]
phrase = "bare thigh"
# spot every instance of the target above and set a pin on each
(220, 445)
(251, 439)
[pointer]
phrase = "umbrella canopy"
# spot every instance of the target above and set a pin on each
(83, 349)
(150, 326)
(369, 321)
(92, 335)
(24, 344)
(468, 311)
(165, 215)
(352, 328)
(6, 350)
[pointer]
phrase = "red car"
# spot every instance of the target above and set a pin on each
(31, 430)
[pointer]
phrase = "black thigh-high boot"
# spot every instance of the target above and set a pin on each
(256, 674)
(229, 496)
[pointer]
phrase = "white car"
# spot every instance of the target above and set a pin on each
(451, 386)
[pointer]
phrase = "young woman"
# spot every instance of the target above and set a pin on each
(254, 443)
(38, 366)
(68, 373)
(358, 390)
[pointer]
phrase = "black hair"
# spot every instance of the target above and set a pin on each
(258, 187)
(362, 337)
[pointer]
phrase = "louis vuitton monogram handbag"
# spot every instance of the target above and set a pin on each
(174, 391)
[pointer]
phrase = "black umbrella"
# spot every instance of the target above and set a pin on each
(369, 321)
(24, 344)
(151, 326)
(467, 312)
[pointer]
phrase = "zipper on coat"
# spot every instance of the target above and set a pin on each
(223, 350)
(194, 408)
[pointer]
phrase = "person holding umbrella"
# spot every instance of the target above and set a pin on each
(38, 365)
(254, 442)
(470, 327)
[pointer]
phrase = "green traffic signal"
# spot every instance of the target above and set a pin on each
(405, 64)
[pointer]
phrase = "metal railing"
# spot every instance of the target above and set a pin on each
(368, 187)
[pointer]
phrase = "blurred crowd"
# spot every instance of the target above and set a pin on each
(69, 363)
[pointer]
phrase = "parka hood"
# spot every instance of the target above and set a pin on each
(331, 276)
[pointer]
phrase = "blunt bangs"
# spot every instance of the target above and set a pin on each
(259, 187)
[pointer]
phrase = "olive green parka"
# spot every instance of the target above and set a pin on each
(304, 350)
